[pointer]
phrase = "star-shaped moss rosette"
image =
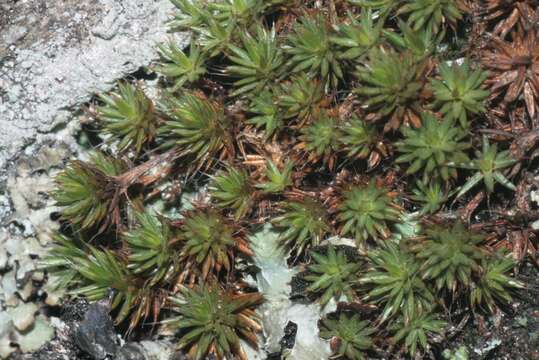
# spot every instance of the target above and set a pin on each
(449, 255)
(394, 282)
(433, 149)
(86, 191)
(349, 335)
(210, 244)
(332, 276)
(366, 211)
(213, 321)
(303, 224)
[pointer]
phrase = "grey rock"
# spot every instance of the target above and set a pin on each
(37, 336)
(38, 276)
(123, 41)
(14, 92)
(3, 258)
(147, 350)
(26, 290)
(534, 196)
(6, 327)
(5, 324)
(54, 295)
(25, 268)
(5, 208)
(95, 335)
(27, 64)
(60, 347)
(289, 338)
(108, 27)
(488, 347)
(3, 86)
(14, 34)
(9, 288)
(5, 347)
(23, 316)
(53, 58)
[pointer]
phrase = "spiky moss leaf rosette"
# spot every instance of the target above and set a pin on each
(260, 64)
(197, 126)
(493, 285)
(394, 281)
(312, 50)
(366, 210)
(129, 116)
(210, 244)
(332, 276)
(450, 255)
(414, 334)
(151, 243)
(317, 119)
(320, 139)
(391, 84)
(360, 139)
(303, 224)
(213, 321)
(85, 191)
(433, 148)
(459, 91)
(349, 335)
(430, 195)
(232, 189)
(179, 67)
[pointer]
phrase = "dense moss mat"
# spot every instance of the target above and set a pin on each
(406, 129)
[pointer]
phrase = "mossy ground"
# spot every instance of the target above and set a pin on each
(422, 120)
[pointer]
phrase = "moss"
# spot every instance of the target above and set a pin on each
(265, 95)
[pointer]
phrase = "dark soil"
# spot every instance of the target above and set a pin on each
(513, 334)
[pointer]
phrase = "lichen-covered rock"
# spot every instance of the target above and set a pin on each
(23, 316)
(6, 327)
(38, 335)
(55, 56)
(273, 281)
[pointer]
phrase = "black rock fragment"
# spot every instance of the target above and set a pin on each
(287, 341)
(95, 335)
(289, 337)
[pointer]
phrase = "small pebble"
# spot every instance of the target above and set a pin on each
(26, 291)
(41, 333)
(14, 34)
(23, 316)
(38, 276)
(27, 64)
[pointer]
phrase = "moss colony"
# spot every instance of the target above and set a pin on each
(323, 118)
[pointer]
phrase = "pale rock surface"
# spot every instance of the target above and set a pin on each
(23, 316)
(55, 55)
